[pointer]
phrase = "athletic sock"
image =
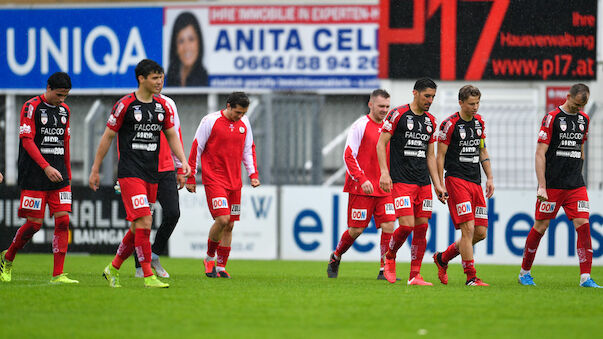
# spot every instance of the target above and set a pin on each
(125, 250)
(584, 277)
(397, 240)
(450, 253)
(529, 252)
(469, 269)
(143, 250)
(222, 258)
(23, 235)
(345, 243)
(212, 246)
(585, 248)
(417, 249)
(60, 241)
(385, 239)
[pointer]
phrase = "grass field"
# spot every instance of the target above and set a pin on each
(295, 300)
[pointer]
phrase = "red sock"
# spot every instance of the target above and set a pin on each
(143, 250)
(385, 239)
(212, 246)
(450, 253)
(23, 235)
(585, 248)
(417, 249)
(469, 268)
(397, 240)
(125, 249)
(344, 244)
(222, 258)
(60, 241)
(529, 251)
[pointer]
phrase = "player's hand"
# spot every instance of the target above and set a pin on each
(385, 182)
(255, 182)
(541, 194)
(1, 178)
(489, 188)
(191, 188)
(94, 180)
(181, 180)
(367, 187)
(186, 168)
(53, 174)
(441, 193)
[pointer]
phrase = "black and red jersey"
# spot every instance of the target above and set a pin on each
(565, 134)
(411, 135)
(464, 139)
(43, 141)
(139, 126)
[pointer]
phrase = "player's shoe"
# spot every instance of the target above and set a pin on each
(223, 274)
(112, 275)
(159, 269)
(62, 279)
(476, 282)
(6, 268)
(380, 276)
(590, 283)
(210, 268)
(418, 281)
(390, 270)
(152, 282)
(526, 280)
(139, 273)
(442, 275)
(333, 266)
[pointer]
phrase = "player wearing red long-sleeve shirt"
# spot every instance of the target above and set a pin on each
(223, 140)
(44, 174)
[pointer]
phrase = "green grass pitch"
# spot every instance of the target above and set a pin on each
(291, 299)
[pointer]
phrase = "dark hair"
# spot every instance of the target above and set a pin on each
(59, 80)
(238, 98)
(579, 90)
(379, 93)
(146, 67)
(469, 91)
(423, 84)
(198, 75)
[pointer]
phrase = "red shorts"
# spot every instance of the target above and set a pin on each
(223, 202)
(362, 207)
(574, 202)
(137, 195)
(33, 203)
(466, 202)
(412, 199)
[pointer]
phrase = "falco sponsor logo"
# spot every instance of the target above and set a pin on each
(358, 214)
(219, 202)
(547, 206)
(389, 209)
(140, 201)
(31, 203)
(65, 197)
(583, 206)
(235, 209)
(52, 130)
(481, 212)
(427, 205)
(463, 208)
(402, 202)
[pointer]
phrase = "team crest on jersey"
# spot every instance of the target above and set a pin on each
(562, 124)
(410, 124)
(462, 132)
(160, 116)
(63, 120)
(137, 113)
(242, 129)
(428, 128)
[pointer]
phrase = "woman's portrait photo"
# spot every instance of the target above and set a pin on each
(186, 53)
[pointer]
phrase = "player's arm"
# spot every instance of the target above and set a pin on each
(101, 151)
(350, 157)
(433, 170)
(440, 158)
(194, 157)
(540, 165)
(249, 156)
(176, 146)
(484, 159)
(385, 181)
(67, 147)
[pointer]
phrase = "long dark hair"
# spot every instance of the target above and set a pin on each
(198, 75)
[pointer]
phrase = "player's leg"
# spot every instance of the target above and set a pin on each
(385, 218)
(59, 204)
(223, 251)
(387, 230)
(217, 202)
(417, 251)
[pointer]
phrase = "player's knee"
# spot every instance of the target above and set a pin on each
(480, 234)
(355, 231)
(223, 220)
(171, 217)
(541, 225)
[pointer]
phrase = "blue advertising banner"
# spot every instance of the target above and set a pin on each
(98, 47)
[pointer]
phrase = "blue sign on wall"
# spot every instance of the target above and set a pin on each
(98, 47)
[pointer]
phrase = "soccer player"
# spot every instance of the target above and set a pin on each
(44, 174)
(223, 140)
(461, 149)
(366, 198)
(170, 181)
(138, 119)
(410, 131)
(559, 160)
